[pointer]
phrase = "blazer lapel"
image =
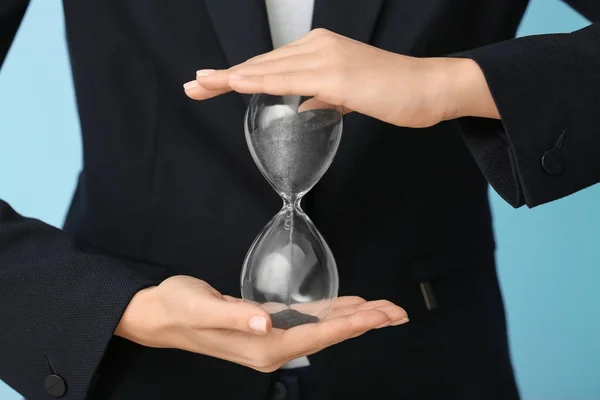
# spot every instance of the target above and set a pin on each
(355, 19)
(242, 27)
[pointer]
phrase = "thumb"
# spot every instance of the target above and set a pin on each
(237, 315)
(316, 104)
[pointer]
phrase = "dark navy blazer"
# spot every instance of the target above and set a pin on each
(168, 187)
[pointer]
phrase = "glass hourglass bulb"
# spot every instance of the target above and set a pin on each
(289, 269)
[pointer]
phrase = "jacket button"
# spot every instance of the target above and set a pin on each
(553, 162)
(280, 391)
(55, 385)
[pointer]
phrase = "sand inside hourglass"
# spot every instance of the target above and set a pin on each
(289, 318)
(295, 151)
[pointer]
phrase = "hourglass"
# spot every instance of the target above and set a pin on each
(289, 269)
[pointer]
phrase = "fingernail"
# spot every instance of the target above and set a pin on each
(258, 324)
(402, 321)
(190, 85)
(205, 72)
(387, 323)
(236, 77)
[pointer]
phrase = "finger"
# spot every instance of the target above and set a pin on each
(303, 45)
(232, 299)
(316, 104)
(318, 307)
(394, 313)
(294, 63)
(219, 80)
(232, 315)
(347, 301)
(301, 83)
(213, 80)
(198, 92)
(310, 338)
(291, 49)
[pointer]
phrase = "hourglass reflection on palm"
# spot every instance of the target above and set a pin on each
(289, 268)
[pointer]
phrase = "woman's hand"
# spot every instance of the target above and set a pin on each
(189, 314)
(401, 90)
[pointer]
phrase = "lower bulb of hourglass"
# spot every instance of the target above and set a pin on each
(290, 271)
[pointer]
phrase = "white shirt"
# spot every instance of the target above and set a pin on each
(289, 20)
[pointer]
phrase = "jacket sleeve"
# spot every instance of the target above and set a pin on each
(547, 90)
(59, 307)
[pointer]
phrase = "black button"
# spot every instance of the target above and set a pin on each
(279, 391)
(55, 385)
(553, 162)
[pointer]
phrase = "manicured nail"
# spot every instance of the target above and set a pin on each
(387, 323)
(258, 324)
(190, 85)
(236, 77)
(205, 72)
(402, 321)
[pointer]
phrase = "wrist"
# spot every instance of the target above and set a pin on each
(141, 320)
(465, 90)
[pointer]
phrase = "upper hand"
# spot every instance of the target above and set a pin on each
(401, 90)
(189, 314)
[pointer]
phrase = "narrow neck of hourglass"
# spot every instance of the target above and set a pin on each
(292, 202)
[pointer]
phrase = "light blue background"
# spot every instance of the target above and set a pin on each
(549, 257)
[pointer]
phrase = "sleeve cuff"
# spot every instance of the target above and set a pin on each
(545, 87)
(488, 144)
(60, 307)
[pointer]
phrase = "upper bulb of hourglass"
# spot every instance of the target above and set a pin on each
(289, 269)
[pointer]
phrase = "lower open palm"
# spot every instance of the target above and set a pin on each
(189, 314)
